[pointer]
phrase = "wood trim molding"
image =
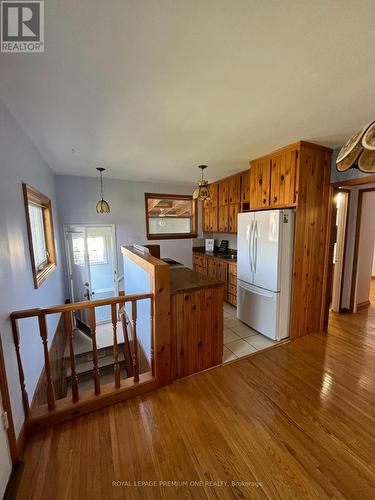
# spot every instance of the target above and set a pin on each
(356, 246)
(172, 236)
(359, 181)
(363, 305)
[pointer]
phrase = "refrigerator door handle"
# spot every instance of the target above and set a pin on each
(255, 246)
(250, 246)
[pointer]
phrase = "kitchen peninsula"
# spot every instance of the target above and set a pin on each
(196, 305)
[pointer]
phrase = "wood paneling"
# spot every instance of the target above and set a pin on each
(197, 330)
(214, 190)
(260, 179)
(300, 415)
(311, 233)
(214, 219)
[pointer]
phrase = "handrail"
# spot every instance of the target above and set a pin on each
(77, 306)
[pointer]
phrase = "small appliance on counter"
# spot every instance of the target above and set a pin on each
(224, 245)
(209, 244)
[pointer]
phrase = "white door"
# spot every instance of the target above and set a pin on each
(79, 269)
(339, 248)
(5, 460)
(266, 249)
(258, 308)
(244, 247)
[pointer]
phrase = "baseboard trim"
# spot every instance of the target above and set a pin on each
(363, 305)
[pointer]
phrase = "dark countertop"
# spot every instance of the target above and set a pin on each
(183, 279)
(216, 255)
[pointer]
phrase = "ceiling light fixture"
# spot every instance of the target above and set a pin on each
(102, 207)
(202, 192)
(358, 151)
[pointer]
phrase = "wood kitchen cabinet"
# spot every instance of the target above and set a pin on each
(274, 180)
(234, 189)
(223, 192)
(223, 219)
(234, 210)
(214, 191)
(245, 187)
(283, 179)
(260, 184)
(213, 217)
(232, 284)
(216, 268)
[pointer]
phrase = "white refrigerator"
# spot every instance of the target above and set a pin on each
(265, 242)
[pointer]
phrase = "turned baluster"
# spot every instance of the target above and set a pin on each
(116, 366)
(47, 366)
(135, 342)
(152, 336)
(25, 397)
(92, 321)
(74, 378)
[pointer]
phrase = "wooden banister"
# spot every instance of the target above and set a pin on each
(152, 333)
(116, 366)
(135, 342)
(73, 377)
(92, 322)
(16, 338)
(47, 366)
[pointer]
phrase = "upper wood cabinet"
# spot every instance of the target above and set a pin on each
(274, 180)
(260, 183)
(283, 179)
(213, 218)
(234, 189)
(223, 192)
(223, 219)
(234, 210)
(214, 190)
(245, 186)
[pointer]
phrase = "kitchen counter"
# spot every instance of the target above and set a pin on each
(183, 279)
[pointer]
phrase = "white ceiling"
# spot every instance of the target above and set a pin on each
(152, 88)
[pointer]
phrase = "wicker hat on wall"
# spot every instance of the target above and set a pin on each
(358, 151)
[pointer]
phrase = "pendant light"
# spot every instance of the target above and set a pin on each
(358, 151)
(102, 207)
(202, 192)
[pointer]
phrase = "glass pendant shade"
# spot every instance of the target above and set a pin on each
(102, 207)
(202, 192)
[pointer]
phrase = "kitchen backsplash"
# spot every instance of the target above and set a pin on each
(232, 238)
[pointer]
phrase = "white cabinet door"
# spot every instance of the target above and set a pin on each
(266, 250)
(244, 247)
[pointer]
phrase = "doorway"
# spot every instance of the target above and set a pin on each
(340, 232)
(92, 268)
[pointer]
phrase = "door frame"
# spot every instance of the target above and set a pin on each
(358, 224)
(114, 253)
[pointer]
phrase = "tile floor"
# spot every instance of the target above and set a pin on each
(239, 339)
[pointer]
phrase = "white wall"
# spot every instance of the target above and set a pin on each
(77, 198)
(365, 248)
(21, 162)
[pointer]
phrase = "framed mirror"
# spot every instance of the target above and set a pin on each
(170, 216)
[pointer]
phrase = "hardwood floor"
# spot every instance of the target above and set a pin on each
(299, 419)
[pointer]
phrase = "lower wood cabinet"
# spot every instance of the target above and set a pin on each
(220, 270)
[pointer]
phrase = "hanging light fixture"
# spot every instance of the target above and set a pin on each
(102, 207)
(202, 192)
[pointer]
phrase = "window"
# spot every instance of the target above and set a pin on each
(40, 232)
(170, 216)
(97, 250)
